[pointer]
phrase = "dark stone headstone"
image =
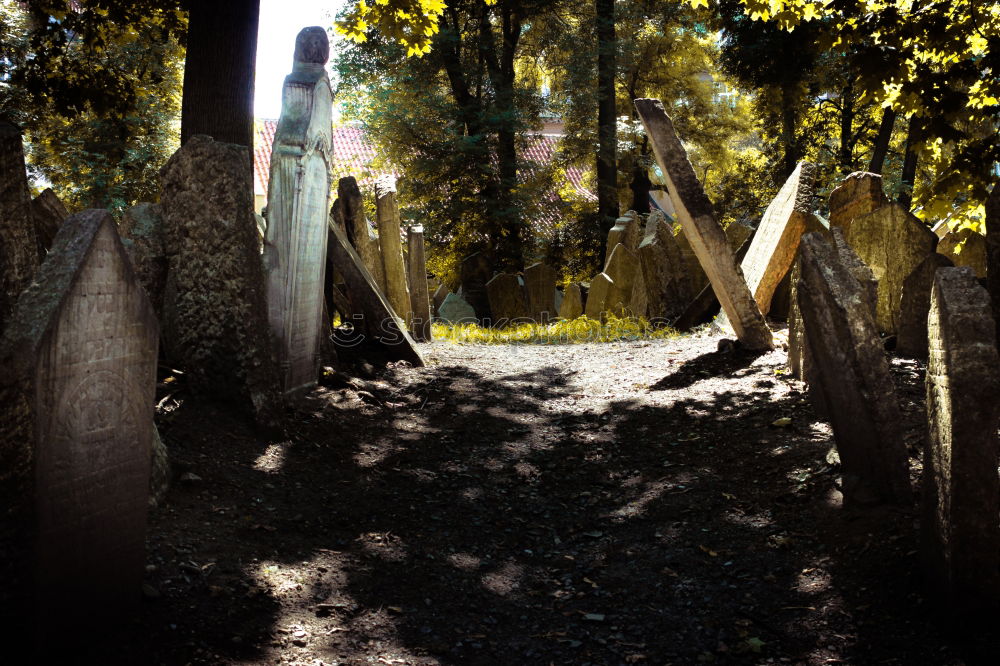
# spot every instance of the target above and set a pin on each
(507, 300)
(911, 334)
(476, 271)
(19, 246)
(540, 286)
(142, 234)
(48, 214)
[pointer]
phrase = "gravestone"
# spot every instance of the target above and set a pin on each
(668, 287)
(853, 374)
(79, 385)
(455, 310)
(915, 303)
(622, 268)
(48, 214)
(507, 299)
(142, 235)
(871, 235)
(572, 304)
(993, 252)
(387, 216)
(419, 300)
(776, 242)
(476, 271)
(359, 232)
(705, 306)
(19, 249)
(557, 299)
(960, 531)
(438, 297)
(626, 230)
(965, 247)
(600, 289)
(214, 324)
(859, 194)
(695, 213)
(540, 287)
(298, 210)
(638, 306)
(736, 234)
(692, 270)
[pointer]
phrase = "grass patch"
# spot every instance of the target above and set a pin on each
(560, 332)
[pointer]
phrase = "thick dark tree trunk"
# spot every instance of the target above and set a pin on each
(607, 169)
(510, 251)
(789, 143)
(640, 189)
(881, 147)
(847, 128)
(219, 70)
(909, 165)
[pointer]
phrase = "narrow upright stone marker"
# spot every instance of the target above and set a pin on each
(854, 376)
(859, 194)
(600, 288)
(420, 302)
(572, 304)
(18, 243)
(774, 245)
(540, 286)
(298, 208)
(798, 350)
(668, 288)
(871, 235)
(48, 214)
(961, 534)
(915, 303)
(695, 213)
(507, 299)
(627, 230)
(623, 269)
(387, 216)
(359, 232)
(972, 252)
(79, 386)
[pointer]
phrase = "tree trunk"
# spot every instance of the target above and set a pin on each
(640, 189)
(510, 244)
(909, 165)
(847, 128)
(219, 70)
(881, 147)
(607, 169)
(788, 119)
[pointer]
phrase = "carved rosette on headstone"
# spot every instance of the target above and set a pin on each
(19, 246)
(420, 302)
(695, 213)
(297, 210)
(961, 534)
(540, 286)
(572, 303)
(80, 359)
(854, 376)
(507, 300)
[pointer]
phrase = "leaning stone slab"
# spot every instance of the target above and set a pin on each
(48, 213)
(19, 246)
(540, 286)
(623, 269)
(777, 239)
(476, 271)
(359, 232)
(387, 216)
(455, 310)
(668, 287)
(600, 289)
(214, 324)
(965, 247)
(915, 303)
(572, 304)
(695, 213)
(507, 299)
(438, 297)
(859, 194)
(892, 242)
(961, 534)
(420, 303)
(852, 370)
(142, 235)
(79, 359)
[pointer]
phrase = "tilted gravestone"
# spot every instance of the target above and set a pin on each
(854, 376)
(79, 386)
(540, 287)
(961, 534)
(48, 213)
(777, 239)
(420, 302)
(214, 324)
(455, 310)
(142, 235)
(622, 268)
(387, 216)
(859, 194)
(507, 299)
(915, 303)
(572, 303)
(993, 252)
(871, 235)
(707, 238)
(19, 249)
(965, 247)
(597, 296)
(476, 271)
(626, 230)
(359, 232)
(438, 297)
(298, 210)
(798, 350)
(668, 287)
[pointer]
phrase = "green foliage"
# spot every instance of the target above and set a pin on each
(572, 331)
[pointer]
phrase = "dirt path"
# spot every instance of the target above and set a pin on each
(629, 503)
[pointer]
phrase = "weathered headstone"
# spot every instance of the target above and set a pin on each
(622, 268)
(871, 235)
(704, 306)
(438, 297)
(359, 232)
(78, 386)
(298, 212)
(214, 323)
(961, 534)
(476, 271)
(859, 194)
(420, 303)
(387, 216)
(692, 270)
(572, 304)
(142, 235)
(668, 287)
(455, 310)
(507, 299)
(600, 289)
(914, 304)
(854, 375)
(695, 213)
(777, 239)
(626, 230)
(48, 213)
(540, 286)
(965, 247)
(737, 233)
(19, 249)
(993, 252)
